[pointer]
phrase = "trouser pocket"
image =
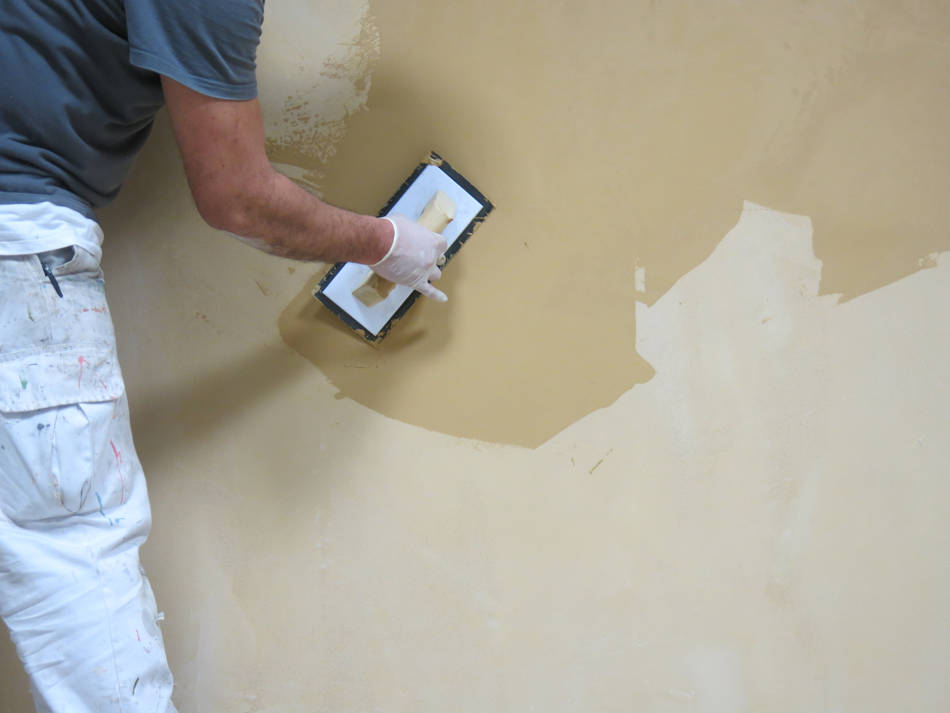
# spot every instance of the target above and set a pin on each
(51, 260)
(74, 260)
(55, 350)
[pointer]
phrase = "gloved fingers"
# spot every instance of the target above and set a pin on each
(432, 293)
(414, 257)
(441, 261)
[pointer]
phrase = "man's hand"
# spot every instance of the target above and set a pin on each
(413, 257)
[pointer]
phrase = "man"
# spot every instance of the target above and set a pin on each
(81, 81)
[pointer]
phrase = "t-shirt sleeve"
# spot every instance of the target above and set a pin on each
(210, 46)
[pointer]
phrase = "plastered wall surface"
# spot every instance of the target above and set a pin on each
(750, 518)
(618, 136)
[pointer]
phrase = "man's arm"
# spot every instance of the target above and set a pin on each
(237, 190)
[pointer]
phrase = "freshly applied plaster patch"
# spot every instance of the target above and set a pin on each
(621, 138)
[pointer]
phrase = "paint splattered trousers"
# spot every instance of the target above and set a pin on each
(73, 503)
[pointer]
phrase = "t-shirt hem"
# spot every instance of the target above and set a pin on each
(66, 201)
(30, 228)
(209, 87)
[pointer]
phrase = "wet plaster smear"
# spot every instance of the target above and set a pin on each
(612, 137)
(737, 496)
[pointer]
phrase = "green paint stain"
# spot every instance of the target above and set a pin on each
(23, 382)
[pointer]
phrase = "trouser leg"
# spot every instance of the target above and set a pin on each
(73, 513)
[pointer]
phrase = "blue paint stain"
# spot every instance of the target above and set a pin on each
(102, 511)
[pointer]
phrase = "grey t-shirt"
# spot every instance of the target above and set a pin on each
(80, 87)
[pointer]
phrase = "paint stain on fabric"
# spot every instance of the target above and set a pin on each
(61, 496)
(118, 467)
(83, 362)
(103, 512)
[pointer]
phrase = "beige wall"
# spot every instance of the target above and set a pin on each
(718, 487)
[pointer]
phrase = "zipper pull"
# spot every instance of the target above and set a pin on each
(48, 271)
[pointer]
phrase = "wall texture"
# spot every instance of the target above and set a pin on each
(665, 449)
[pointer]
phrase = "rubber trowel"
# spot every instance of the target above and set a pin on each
(437, 197)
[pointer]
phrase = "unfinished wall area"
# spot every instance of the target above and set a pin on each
(678, 440)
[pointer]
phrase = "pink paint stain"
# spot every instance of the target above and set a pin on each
(118, 466)
(82, 363)
(100, 310)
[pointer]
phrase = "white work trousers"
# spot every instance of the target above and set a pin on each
(73, 504)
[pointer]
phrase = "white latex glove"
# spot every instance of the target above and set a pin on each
(413, 257)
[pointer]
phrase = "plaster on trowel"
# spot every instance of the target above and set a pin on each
(436, 196)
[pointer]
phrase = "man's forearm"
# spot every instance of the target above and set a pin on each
(237, 190)
(274, 214)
